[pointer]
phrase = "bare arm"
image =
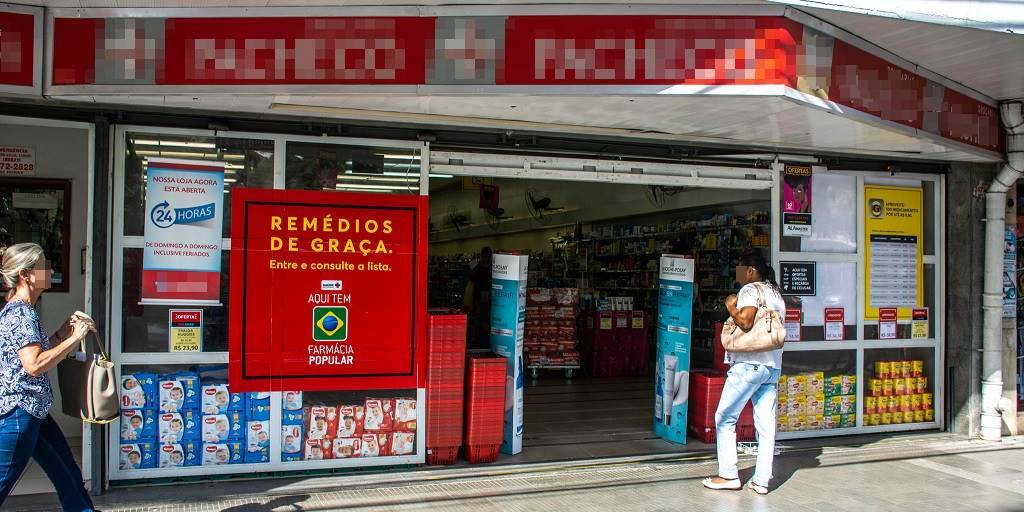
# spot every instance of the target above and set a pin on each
(37, 361)
(744, 318)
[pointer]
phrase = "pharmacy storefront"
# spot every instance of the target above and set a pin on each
(269, 292)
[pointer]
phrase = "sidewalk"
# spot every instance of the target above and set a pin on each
(909, 472)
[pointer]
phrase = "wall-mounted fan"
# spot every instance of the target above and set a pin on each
(538, 204)
(495, 216)
(455, 218)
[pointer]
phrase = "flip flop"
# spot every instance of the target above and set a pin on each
(760, 489)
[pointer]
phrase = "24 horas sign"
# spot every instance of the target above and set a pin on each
(328, 290)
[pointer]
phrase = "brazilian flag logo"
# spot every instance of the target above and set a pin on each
(330, 323)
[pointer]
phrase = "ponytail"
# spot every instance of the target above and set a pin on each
(760, 263)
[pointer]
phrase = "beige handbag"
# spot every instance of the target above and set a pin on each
(767, 333)
(89, 388)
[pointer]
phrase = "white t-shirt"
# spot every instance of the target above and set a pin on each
(748, 298)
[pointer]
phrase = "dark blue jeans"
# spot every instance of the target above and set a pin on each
(23, 436)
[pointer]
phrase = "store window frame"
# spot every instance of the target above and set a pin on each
(937, 335)
(120, 242)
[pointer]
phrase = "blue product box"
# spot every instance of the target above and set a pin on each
(175, 427)
(257, 456)
(222, 428)
(138, 391)
(218, 399)
(178, 455)
(138, 425)
(292, 417)
(179, 392)
(219, 454)
(291, 400)
(291, 440)
(258, 398)
(137, 456)
(291, 457)
(259, 412)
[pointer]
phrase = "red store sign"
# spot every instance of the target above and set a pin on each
(17, 48)
(328, 290)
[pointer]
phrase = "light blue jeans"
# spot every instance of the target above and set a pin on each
(748, 382)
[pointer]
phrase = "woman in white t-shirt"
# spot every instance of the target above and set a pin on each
(754, 376)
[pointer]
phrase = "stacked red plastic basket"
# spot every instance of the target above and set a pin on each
(485, 406)
(705, 391)
(446, 352)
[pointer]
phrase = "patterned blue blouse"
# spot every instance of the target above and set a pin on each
(19, 327)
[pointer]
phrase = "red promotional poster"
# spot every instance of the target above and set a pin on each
(328, 290)
(887, 319)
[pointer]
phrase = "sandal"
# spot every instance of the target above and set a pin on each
(760, 489)
(728, 484)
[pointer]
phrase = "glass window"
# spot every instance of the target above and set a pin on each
(832, 202)
(250, 163)
(145, 328)
(899, 386)
(818, 390)
(316, 166)
(836, 284)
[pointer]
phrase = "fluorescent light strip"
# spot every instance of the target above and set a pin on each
(175, 143)
(385, 180)
(343, 186)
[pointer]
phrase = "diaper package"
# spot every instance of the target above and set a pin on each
(138, 391)
(348, 447)
(179, 455)
(291, 401)
(221, 428)
(174, 427)
(218, 399)
(218, 454)
(137, 456)
(179, 392)
(138, 425)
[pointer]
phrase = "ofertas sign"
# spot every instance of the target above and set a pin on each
(184, 223)
(328, 290)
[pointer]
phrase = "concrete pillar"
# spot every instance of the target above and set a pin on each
(965, 209)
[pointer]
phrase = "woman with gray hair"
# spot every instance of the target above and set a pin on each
(26, 428)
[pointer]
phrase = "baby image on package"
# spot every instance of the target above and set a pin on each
(323, 422)
(317, 449)
(350, 421)
(137, 424)
(291, 439)
(133, 394)
(291, 400)
(176, 427)
(216, 428)
(403, 443)
(405, 414)
(347, 447)
(136, 456)
(178, 455)
(216, 454)
(172, 396)
(378, 415)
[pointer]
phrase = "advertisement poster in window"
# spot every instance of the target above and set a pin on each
(184, 218)
(893, 236)
(327, 290)
(796, 201)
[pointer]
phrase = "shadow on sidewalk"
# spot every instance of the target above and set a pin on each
(276, 503)
(786, 465)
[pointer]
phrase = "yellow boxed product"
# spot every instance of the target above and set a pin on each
(783, 382)
(897, 418)
(883, 370)
(911, 385)
(796, 423)
(886, 418)
(815, 383)
(815, 421)
(816, 403)
(849, 385)
(899, 386)
(797, 385)
(908, 417)
(919, 416)
(875, 419)
(915, 403)
(834, 385)
(926, 401)
(906, 369)
(875, 386)
(796, 405)
(917, 368)
(870, 404)
(892, 404)
(929, 415)
(906, 403)
(922, 385)
(832, 421)
(848, 404)
(782, 423)
(888, 387)
(782, 405)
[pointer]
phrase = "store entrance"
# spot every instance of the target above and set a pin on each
(589, 343)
